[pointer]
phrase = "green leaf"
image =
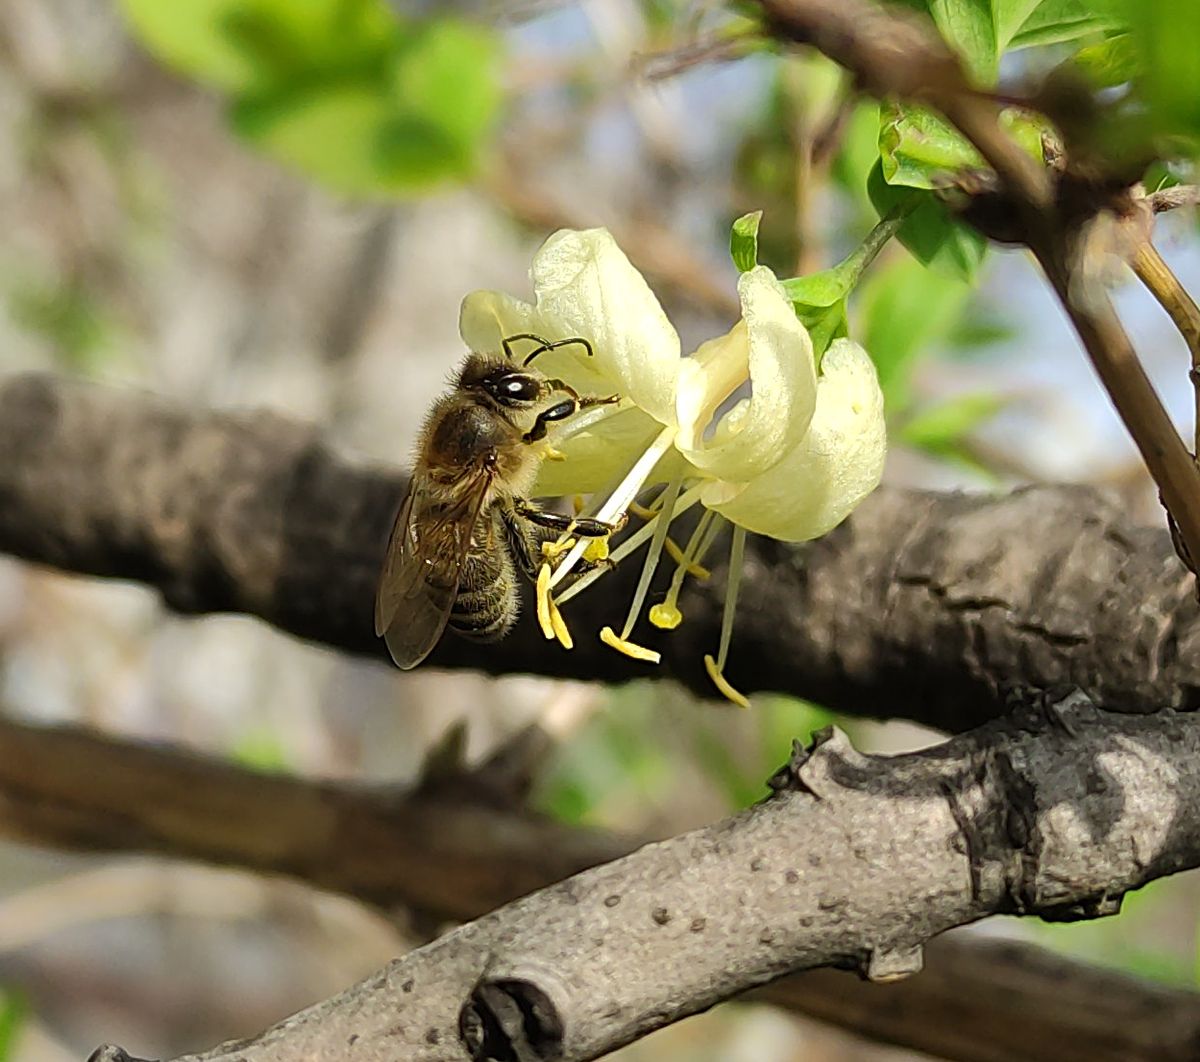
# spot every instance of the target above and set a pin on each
(342, 89)
(448, 75)
(743, 241)
(193, 37)
(14, 1011)
(916, 146)
(967, 27)
(902, 311)
(1166, 35)
(930, 232)
(941, 428)
(824, 324)
(858, 153)
(1110, 62)
(1008, 16)
(1059, 21)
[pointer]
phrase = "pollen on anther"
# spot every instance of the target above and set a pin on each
(636, 652)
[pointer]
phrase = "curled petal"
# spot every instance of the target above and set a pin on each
(487, 318)
(584, 282)
(773, 348)
(840, 461)
(594, 457)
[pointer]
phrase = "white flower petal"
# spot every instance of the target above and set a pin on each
(584, 281)
(778, 356)
(840, 461)
(595, 456)
(487, 318)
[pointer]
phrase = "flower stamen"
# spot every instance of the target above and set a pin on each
(618, 501)
(662, 523)
(716, 668)
(686, 500)
(666, 614)
(636, 652)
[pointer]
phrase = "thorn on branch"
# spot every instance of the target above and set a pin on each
(810, 770)
(112, 1053)
(1103, 906)
(888, 964)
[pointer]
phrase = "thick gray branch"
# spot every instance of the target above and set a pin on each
(923, 605)
(444, 851)
(856, 861)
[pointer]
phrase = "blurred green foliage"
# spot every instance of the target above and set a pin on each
(13, 1012)
(345, 90)
(626, 763)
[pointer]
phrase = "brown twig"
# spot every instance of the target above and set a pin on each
(894, 55)
(1180, 195)
(1164, 285)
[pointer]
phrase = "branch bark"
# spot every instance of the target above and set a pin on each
(855, 861)
(922, 605)
(455, 857)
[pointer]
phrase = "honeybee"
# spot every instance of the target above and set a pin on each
(466, 523)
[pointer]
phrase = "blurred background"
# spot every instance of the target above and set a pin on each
(173, 225)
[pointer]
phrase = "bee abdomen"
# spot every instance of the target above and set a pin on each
(488, 601)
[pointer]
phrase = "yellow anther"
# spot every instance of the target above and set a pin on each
(553, 550)
(577, 504)
(681, 558)
(665, 616)
(544, 604)
(560, 626)
(609, 637)
(641, 512)
(597, 549)
(722, 683)
(551, 454)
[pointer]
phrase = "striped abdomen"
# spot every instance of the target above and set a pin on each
(488, 599)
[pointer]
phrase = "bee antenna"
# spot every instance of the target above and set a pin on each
(545, 346)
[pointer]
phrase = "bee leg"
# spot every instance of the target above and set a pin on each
(583, 401)
(583, 526)
(525, 545)
(558, 411)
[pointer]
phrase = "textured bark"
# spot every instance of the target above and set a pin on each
(443, 850)
(922, 605)
(856, 861)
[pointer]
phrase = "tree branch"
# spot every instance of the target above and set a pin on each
(454, 857)
(894, 55)
(250, 512)
(855, 861)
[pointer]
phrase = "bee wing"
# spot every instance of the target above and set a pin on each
(424, 561)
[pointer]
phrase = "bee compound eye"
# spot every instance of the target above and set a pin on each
(518, 388)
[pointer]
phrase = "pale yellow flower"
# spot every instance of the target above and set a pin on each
(745, 426)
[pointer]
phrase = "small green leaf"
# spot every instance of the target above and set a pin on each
(1059, 21)
(823, 323)
(904, 310)
(916, 146)
(193, 37)
(1008, 16)
(1166, 35)
(1112, 61)
(743, 241)
(967, 27)
(930, 232)
(942, 427)
(14, 1011)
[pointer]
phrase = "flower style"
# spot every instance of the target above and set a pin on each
(789, 459)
